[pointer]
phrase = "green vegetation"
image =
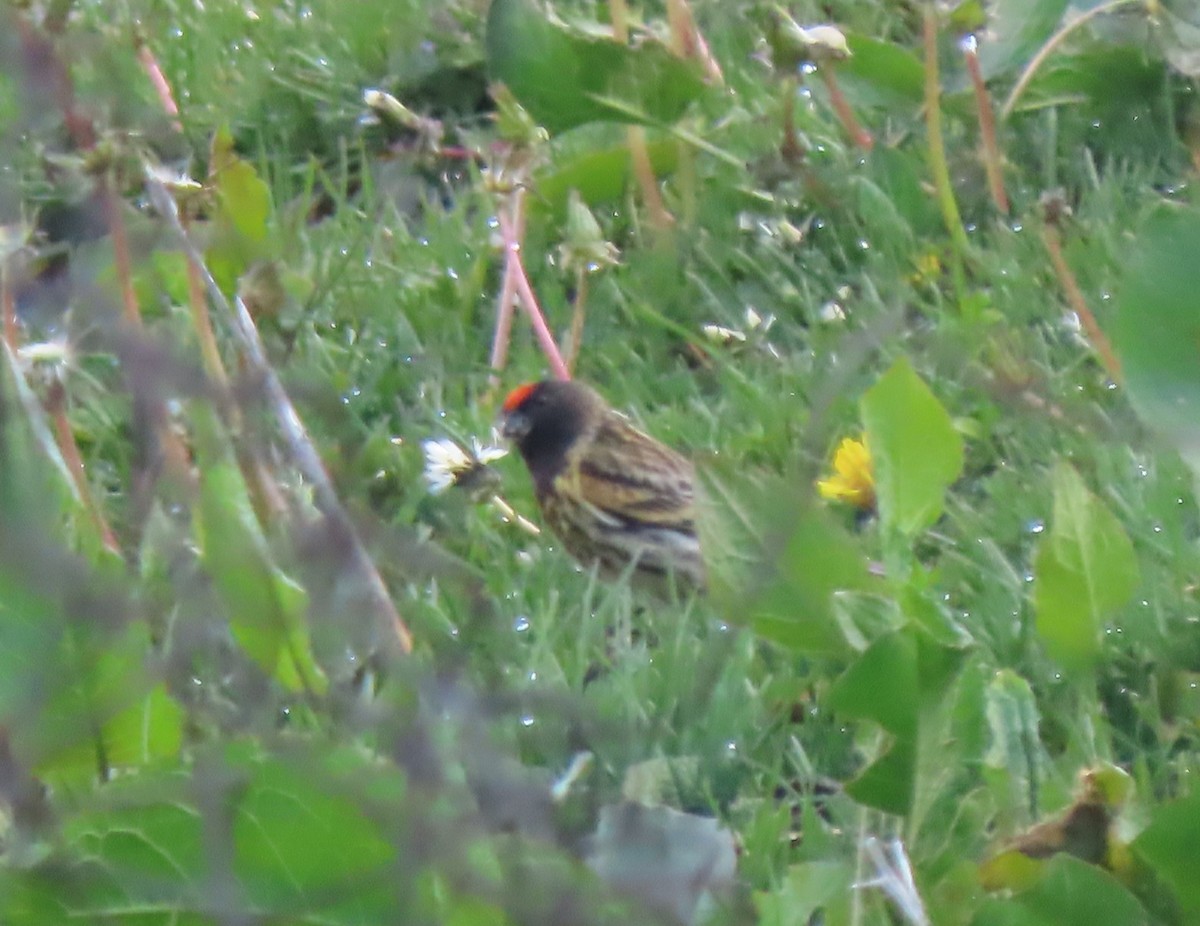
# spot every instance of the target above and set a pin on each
(238, 686)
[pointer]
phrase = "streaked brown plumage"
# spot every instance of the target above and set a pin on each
(613, 495)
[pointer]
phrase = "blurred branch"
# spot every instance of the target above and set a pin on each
(159, 80)
(300, 445)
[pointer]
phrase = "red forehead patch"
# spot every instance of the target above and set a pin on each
(517, 397)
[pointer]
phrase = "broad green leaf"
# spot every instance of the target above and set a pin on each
(916, 451)
(1016, 29)
(808, 888)
(109, 709)
(881, 74)
(1015, 746)
(301, 847)
(267, 609)
(600, 174)
(1157, 331)
(888, 783)
(1069, 892)
(141, 846)
(1171, 845)
(882, 686)
(774, 562)
(566, 78)
(151, 728)
(241, 224)
(244, 198)
(1085, 569)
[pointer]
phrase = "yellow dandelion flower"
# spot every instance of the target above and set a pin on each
(928, 269)
(853, 478)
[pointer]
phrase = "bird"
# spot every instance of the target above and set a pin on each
(616, 498)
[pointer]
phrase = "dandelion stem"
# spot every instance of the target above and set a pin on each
(841, 106)
(987, 128)
(575, 336)
(1066, 278)
(937, 148)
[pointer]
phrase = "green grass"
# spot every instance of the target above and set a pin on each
(179, 767)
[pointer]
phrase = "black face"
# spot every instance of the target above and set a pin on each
(546, 421)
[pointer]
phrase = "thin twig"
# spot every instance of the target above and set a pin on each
(1091, 328)
(578, 311)
(647, 180)
(123, 264)
(300, 446)
(841, 106)
(56, 407)
(512, 247)
(987, 126)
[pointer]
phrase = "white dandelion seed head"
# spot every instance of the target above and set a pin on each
(445, 461)
(487, 453)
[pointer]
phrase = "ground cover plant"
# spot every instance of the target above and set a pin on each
(282, 637)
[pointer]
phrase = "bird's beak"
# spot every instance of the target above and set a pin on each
(513, 425)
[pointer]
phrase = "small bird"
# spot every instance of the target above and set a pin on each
(613, 495)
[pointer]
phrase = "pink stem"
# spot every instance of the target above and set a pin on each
(512, 247)
(161, 86)
(504, 309)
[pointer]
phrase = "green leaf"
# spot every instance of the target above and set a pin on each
(1016, 29)
(299, 846)
(1085, 569)
(241, 231)
(916, 451)
(1157, 331)
(267, 610)
(1070, 892)
(881, 74)
(140, 847)
(1171, 844)
(599, 172)
(1015, 746)
(565, 78)
(882, 686)
(774, 562)
(808, 888)
(148, 730)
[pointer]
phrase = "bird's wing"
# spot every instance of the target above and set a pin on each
(628, 474)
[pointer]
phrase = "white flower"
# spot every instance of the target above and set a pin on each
(446, 463)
